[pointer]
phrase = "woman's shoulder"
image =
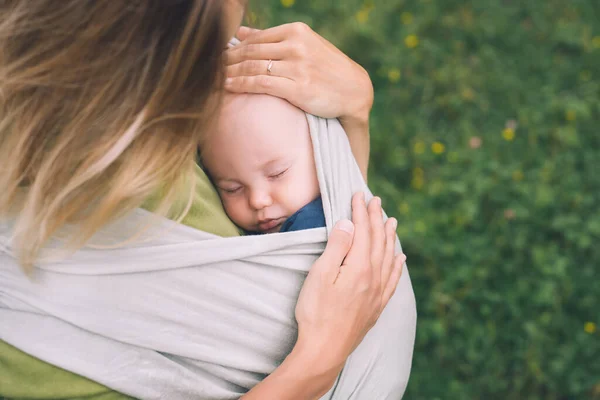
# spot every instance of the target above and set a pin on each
(206, 212)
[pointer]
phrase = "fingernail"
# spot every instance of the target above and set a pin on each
(228, 81)
(394, 223)
(346, 226)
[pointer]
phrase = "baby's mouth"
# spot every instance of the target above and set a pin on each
(270, 225)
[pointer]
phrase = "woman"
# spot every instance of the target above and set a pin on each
(103, 104)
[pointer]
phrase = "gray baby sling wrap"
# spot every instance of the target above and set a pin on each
(184, 314)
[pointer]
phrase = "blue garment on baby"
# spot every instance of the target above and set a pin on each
(309, 216)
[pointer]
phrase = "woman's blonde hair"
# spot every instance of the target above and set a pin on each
(102, 104)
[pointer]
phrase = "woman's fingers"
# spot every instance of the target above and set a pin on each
(392, 283)
(244, 31)
(259, 67)
(273, 85)
(338, 245)
(358, 255)
(335, 312)
(271, 35)
(387, 266)
(320, 72)
(258, 51)
(373, 248)
(378, 237)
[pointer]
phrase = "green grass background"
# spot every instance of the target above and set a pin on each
(486, 146)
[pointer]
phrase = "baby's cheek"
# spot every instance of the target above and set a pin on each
(302, 191)
(235, 211)
(311, 182)
(230, 209)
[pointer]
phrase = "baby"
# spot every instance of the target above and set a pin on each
(261, 160)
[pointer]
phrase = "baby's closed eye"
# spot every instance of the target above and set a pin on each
(278, 174)
(230, 189)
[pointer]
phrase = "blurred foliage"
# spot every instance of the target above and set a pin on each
(485, 145)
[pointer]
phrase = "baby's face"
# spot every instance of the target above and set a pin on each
(261, 161)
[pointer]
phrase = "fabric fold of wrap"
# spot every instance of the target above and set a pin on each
(183, 314)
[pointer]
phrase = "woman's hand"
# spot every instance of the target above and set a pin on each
(310, 73)
(346, 291)
(307, 71)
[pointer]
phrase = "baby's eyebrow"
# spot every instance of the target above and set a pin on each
(268, 163)
(275, 162)
(217, 179)
(224, 180)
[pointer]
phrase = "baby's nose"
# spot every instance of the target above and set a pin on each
(260, 199)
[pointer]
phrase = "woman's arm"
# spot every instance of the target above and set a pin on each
(310, 73)
(301, 376)
(343, 295)
(357, 129)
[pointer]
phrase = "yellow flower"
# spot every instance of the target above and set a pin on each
(517, 176)
(419, 147)
(438, 148)
(404, 208)
(508, 134)
(596, 42)
(468, 94)
(589, 327)
(417, 183)
(394, 75)
(363, 15)
(406, 18)
(570, 115)
(411, 41)
(287, 3)
(417, 180)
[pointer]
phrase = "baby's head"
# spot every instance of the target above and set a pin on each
(260, 158)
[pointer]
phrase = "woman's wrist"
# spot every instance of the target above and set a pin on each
(358, 110)
(357, 131)
(356, 126)
(303, 375)
(313, 367)
(356, 123)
